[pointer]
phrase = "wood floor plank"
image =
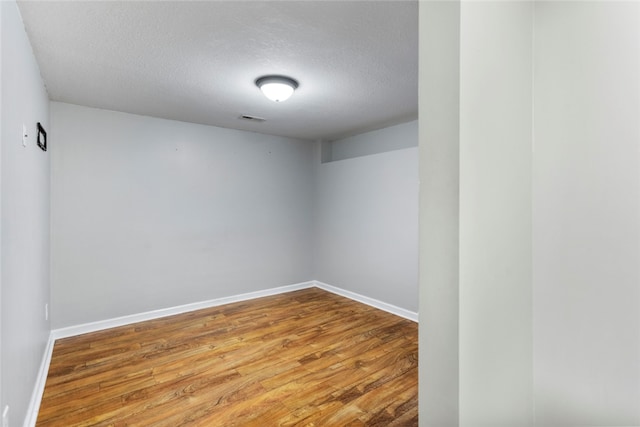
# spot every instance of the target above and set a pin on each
(303, 358)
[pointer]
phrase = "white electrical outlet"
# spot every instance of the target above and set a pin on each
(46, 311)
(5, 416)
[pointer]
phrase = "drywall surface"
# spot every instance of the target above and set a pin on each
(150, 213)
(367, 226)
(439, 212)
(495, 214)
(587, 214)
(25, 217)
(391, 138)
(1, 34)
(549, 307)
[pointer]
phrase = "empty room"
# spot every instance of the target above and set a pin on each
(206, 254)
(320, 213)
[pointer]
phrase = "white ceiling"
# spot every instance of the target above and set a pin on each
(356, 61)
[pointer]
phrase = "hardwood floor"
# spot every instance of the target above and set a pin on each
(304, 358)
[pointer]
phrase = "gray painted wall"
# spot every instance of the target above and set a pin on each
(586, 195)
(391, 138)
(24, 218)
(495, 214)
(367, 224)
(150, 213)
(549, 201)
(439, 212)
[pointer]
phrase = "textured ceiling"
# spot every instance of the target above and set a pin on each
(356, 61)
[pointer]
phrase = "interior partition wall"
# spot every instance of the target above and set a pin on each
(543, 277)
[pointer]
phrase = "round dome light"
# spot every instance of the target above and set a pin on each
(277, 88)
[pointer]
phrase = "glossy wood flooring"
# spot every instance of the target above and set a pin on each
(304, 358)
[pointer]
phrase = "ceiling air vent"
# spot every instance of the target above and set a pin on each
(253, 118)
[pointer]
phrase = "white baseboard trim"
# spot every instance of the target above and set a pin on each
(38, 389)
(34, 405)
(170, 311)
(390, 308)
(99, 325)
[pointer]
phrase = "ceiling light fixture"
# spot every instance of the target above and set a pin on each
(277, 88)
